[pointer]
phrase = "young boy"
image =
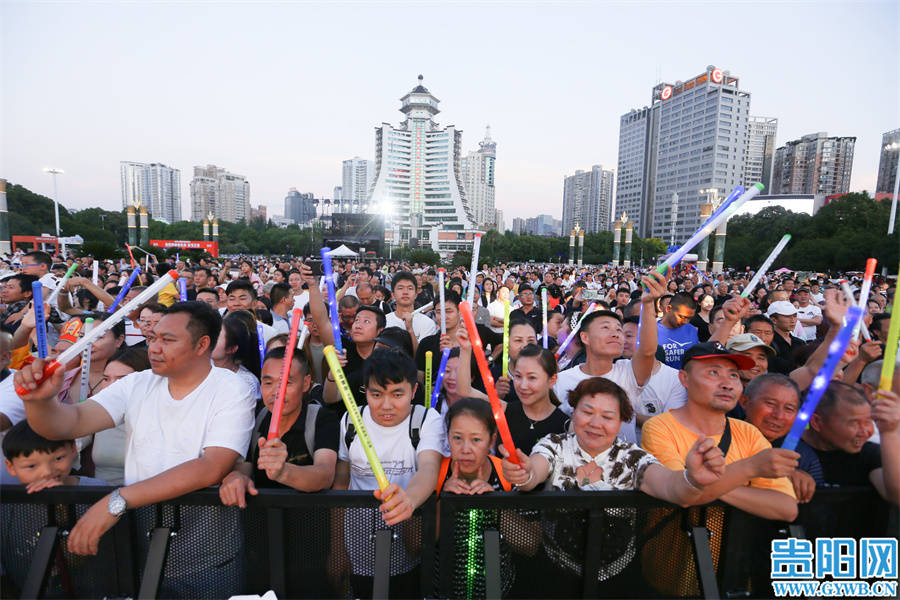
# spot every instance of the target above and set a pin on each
(408, 442)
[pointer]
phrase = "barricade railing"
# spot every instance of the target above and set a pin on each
(333, 544)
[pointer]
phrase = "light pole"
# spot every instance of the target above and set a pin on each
(894, 146)
(56, 172)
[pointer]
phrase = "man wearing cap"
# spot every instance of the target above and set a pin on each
(755, 479)
(784, 317)
(809, 315)
(753, 347)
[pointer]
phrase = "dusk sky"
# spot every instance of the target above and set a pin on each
(282, 92)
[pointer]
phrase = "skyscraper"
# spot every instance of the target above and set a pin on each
(499, 224)
(155, 185)
(587, 201)
(760, 151)
(814, 164)
(887, 164)
(225, 195)
(417, 172)
(358, 175)
(692, 137)
(477, 176)
(518, 225)
(299, 208)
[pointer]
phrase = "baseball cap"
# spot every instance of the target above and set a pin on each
(781, 307)
(716, 350)
(744, 341)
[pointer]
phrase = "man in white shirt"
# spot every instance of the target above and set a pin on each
(604, 340)
(403, 288)
(186, 422)
(808, 315)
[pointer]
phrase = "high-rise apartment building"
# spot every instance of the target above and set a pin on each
(518, 225)
(587, 200)
(761, 132)
(691, 139)
(259, 212)
(477, 176)
(417, 179)
(814, 164)
(298, 207)
(154, 185)
(541, 225)
(358, 175)
(499, 224)
(887, 164)
(225, 195)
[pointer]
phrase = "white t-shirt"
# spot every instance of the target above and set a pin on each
(250, 380)
(399, 460)
(621, 373)
(301, 299)
(661, 393)
(422, 326)
(10, 403)
(162, 432)
(50, 281)
(497, 309)
(810, 311)
(133, 335)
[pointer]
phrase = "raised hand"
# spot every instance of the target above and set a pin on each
(705, 462)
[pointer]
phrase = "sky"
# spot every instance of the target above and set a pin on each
(282, 92)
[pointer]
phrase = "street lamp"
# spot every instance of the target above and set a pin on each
(56, 172)
(894, 146)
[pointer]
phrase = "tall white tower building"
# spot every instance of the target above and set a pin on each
(417, 173)
(477, 175)
(225, 195)
(155, 185)
(358, 175)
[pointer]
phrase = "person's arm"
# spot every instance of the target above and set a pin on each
(705, 464)
(531, 471)
(886, 414)
(734, 310)
(398, 504)
(644, 358)
(835, 308)
(764, 503)
(312, 478)
(318, 312)
(341, 475)
(237, 484)
(96, 290)
(868, 352)
(464, 368)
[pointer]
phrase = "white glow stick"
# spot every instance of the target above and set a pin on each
(86, 363)
(476, 248)
(61, 284)
(864, 292)
(104, 326)
(424, 308)
(544, 314)
(304, 331)
(441, 296)
(95, 277)
(765, 266)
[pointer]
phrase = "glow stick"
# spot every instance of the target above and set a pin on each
(766, 264)
(439, 380)
(423, 308)
(40, 322)
(332, 298)
(823, 378)
(478, 350)
(505, 364)
(133, 264)
(441, 298)
(95, 272)
(182, 289)
(702, 274)
(889, 364)
(711, 224)
(848, 292)
(544, 316)
(61, 284)
(278, 407)
(260, 344)
(86, 363)
(865, 289)
(734, 195)
(476, 248)
(304, 331)
(574, 332)
(104, 326)
(428, 366)
(124, 290)
(353, 410)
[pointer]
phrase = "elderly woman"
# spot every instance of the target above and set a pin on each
(593, 457)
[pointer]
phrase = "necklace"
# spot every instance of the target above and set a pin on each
(586, 479)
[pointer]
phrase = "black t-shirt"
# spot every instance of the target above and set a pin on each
(326, 437)
(525, 432)
(536, 317)
(702, 328)
(843, 468)
(783, 350)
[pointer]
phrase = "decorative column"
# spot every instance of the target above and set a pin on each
(215, 230)
(703, 249)
(205, 230)
(617, 240)
(572, 248)
(581, 246)
(145, 225)
(629, 231)
(719, 255)
(132, 224)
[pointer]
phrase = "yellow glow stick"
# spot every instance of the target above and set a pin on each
(355, 416)
(505, 366)
(428, 356)
(890, 350)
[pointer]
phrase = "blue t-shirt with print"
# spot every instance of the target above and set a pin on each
(675, 342)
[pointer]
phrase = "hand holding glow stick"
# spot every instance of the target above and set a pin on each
(465, 310)
(61, 284)
(86, 363)
(429, 356)
(40, 321)
(439, 380)
(332, 298)
(441, 297)
(823, 378)
(124, 290)
(766, 264)
(505, 366)
(182, 289)
(304, 332)
(353, 410)
(278, 407)
(476, 248)
(559, 351)
(546, 333)
(889, 364)
(104, 326)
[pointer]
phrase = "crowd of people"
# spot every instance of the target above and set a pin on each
(675, 385)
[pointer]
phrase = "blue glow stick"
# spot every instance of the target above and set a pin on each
(734, 195)
(332, 298)
(823, 377)
(702, 274)
(261, 343)
(182, 289)
(40, 322)
(445, 356)
(124, 290)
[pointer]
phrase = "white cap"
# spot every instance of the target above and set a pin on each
(781, 307)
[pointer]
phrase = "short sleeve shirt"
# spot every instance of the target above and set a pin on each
(622, 465)
(422, 325)
(325, 437)
(621, 373)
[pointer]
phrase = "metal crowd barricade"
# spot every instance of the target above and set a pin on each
(495, 545)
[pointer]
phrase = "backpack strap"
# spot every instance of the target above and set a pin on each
(350, 433)
(309, 431)
(442, 474)
(415, 423)
(498, 467)
(254, 447)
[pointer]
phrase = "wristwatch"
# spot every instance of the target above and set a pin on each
(116, 505)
